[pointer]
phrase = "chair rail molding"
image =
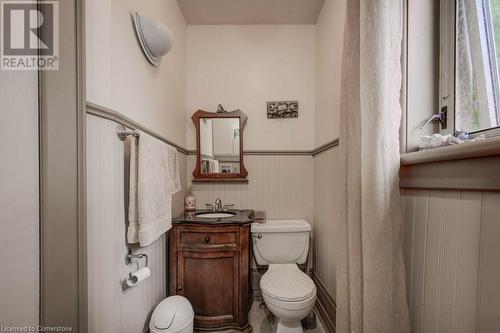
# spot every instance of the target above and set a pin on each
(107, 113)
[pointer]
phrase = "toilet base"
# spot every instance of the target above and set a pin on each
(282, 326)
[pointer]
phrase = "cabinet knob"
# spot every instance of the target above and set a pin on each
(179, 287)
(207, 239)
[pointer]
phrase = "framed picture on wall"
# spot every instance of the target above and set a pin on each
(282, 109)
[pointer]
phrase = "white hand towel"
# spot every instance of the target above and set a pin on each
(215, 165)
(154, 177)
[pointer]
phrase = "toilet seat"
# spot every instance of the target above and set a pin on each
(287, 283)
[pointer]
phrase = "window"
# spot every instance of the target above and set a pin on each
(469, 62)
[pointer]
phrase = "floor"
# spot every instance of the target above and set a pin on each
(261, 319)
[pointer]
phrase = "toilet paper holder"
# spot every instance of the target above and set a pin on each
(138, 256)
(132, 278)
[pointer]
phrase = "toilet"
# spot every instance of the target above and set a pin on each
(288, 292)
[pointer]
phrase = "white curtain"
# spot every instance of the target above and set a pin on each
(371, 294)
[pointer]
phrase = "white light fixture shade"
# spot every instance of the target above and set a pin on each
(155, 38)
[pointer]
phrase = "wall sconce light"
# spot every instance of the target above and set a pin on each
(155, 38)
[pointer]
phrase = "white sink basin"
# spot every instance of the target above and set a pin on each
(214, 215)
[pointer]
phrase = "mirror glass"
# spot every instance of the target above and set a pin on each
(220, 145)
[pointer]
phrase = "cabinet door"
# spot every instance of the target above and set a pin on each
(210, 281)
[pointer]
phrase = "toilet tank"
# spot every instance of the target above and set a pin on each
(281, 241)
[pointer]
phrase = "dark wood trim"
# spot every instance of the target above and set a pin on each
(173, 240)
(243, 292)
(106, 113)
(478, 174)
(325, 306)
(223, 180)
(217, 177)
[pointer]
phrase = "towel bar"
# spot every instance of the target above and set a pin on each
(123, 132)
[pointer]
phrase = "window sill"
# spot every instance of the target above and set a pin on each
(469, 166)
(485, 148)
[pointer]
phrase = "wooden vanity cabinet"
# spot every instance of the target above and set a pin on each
(209, 265)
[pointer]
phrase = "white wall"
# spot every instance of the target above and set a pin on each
(329, 41)
(19, 238)
(120, 77)
(243, 67)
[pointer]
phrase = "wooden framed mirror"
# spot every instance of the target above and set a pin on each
(219, 146)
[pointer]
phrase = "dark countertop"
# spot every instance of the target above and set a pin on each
(242, 216)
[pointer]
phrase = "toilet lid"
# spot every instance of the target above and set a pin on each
(288, 283)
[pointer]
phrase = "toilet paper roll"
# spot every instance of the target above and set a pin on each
(137, 277)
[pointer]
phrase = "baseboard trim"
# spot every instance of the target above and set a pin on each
(325, 306)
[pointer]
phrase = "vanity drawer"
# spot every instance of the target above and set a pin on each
(210, 237)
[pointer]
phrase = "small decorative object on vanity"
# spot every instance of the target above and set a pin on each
(190, 201)
(283, 109)
(209, 253)
(220, 109)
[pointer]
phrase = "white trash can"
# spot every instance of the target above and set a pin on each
(173, 315)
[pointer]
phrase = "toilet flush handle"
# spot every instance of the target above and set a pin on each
(259, 236)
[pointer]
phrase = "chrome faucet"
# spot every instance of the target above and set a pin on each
(217, 206)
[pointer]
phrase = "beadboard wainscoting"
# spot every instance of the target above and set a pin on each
(326, 194)
(326, 187)
(451, 254)
(281, 185)
(111, 306)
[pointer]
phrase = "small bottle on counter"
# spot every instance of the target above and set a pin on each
(260, 216)
(190, 201)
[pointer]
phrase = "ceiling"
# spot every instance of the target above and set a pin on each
(250, 11)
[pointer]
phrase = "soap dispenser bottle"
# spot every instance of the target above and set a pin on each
(190, 201)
